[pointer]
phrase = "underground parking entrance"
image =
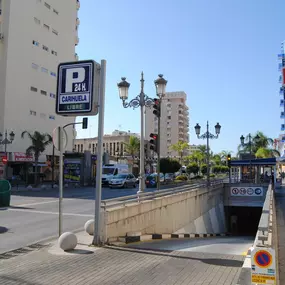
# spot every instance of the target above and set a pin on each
(242, 221)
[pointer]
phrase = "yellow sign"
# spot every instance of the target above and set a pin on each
(263, 279)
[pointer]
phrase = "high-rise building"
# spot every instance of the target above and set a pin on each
(35, 36)
(174, 123)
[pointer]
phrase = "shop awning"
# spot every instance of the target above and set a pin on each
(258, 161)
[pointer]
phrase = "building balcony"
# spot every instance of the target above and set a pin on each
(76, 56)
(77, 4)
(77, 22)
(76, 40)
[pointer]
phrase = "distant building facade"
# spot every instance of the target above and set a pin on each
(174, 122)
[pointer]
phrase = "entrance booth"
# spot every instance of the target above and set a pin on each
(253, 170)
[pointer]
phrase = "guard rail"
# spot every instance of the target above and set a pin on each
(265, 223)
(140, 197)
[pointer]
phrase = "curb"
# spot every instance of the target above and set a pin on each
(137, 238)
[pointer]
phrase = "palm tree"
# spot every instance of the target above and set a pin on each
(180, 146)
(39, 143)
(266, 153)
(132, 147)
(262, 142)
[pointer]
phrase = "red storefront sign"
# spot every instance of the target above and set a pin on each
(4, 159)
(22, 157)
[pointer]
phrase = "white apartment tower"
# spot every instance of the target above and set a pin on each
(174, 122)
(36, 35)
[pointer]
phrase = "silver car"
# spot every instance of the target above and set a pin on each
(123, 181)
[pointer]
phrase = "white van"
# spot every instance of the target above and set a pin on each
(109, 170)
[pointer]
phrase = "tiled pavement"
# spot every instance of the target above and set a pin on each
(124, 266)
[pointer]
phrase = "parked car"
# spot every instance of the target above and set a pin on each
(151, 180)
(122, 181)
(169, 177)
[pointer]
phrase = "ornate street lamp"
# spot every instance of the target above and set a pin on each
(208, 136)
(5, 142)
(142, 101)
(250, 139)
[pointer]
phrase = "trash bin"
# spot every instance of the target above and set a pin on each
(5, 193)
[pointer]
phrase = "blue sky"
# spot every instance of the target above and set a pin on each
(222, 53)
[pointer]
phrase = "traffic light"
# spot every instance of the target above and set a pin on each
(154, 142)
(84, 123)
(156, 107)
(4, 159)
(229, 158)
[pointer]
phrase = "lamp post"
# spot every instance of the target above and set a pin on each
(160, 85)
(5, 142)
(142, 101)
(249, 144)
(208, 136)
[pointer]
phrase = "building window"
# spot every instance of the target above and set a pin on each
(45, 48)
(82, 148)
(35, 43)
(169, 117)
(44, 70)
(37, 21)
(55, 11)
(43, 92)
(46, 26)
(51, 117)
(54, 52)
(47, 5)
(33, 113)
(42, 115)
(53, 74)
(34, 89)
(35, 66)
(55, 31)
(52, 95)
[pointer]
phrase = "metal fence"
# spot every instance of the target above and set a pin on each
(138, 198)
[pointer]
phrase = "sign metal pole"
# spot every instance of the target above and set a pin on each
(60, 142)
(97, 226)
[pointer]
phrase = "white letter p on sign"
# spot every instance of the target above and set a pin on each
(74, 75)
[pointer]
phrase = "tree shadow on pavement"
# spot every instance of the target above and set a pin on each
(79, 251)
(15, 281)
(212, 261)
(3, 230)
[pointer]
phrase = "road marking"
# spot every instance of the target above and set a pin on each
(50, 213)
(55, 200)
(37, 203)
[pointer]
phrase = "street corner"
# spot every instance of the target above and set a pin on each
(84, 246)
(78, 250)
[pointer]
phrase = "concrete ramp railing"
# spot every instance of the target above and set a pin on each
(264, 236)
(189, 208)
(264, 233)
(137, 198)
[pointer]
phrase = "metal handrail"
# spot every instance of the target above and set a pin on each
(137, 198)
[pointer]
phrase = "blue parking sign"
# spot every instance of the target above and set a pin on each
(75, 88)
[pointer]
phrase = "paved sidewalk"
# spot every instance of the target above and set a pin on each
(118, 265)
